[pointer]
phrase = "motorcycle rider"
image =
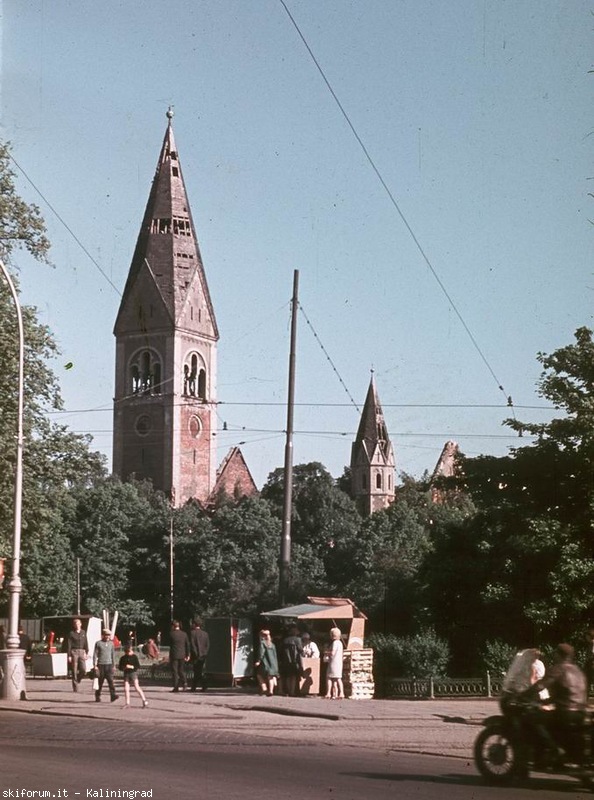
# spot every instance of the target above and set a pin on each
(566, 684)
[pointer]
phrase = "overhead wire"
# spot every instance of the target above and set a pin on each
(65, 224)
(319, 341)
(396, 205)
(391, 196)
(278, 403)
(274, 432)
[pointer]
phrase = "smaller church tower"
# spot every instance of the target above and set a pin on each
(372, 458)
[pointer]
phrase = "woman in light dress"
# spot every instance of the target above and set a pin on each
(334, 685)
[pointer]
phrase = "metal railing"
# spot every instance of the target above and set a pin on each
(430, 688)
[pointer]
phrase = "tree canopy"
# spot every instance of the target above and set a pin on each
(54, 458)
(21, 223)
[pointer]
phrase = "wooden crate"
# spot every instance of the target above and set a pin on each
(358, 674)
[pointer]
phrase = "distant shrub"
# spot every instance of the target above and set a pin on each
(423, 655)
(496, 657)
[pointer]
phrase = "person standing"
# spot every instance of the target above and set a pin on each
(25, 644)
(310, 648)
(78, 651)
(104, 664)
(291, 664)
(129, 665)
(179, 655)
(199, 646)
(334, 685)
(267, 663)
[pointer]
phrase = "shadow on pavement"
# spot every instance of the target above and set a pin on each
(533, 784)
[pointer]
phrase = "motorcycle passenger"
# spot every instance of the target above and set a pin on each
(538, 716)
(567, 687)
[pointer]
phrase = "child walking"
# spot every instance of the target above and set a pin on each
(129, 665)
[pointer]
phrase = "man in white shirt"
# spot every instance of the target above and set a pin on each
(310, 649)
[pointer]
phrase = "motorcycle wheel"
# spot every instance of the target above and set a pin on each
(496, 756)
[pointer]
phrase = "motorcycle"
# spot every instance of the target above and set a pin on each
(511, 744)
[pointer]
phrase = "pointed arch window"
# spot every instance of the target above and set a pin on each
(145, 373)
(202, 384)
(195, 376)
(378, 480)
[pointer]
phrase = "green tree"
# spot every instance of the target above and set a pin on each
(54, 459)
(323, 517)
(227, 562)
(380, 563)
(148, 544)
(21, 223)
(106, 518)
(530, 540)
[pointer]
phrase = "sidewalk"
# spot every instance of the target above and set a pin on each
(442, 727)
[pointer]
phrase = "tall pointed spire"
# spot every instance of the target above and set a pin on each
(167, 245)
(166, 354)
(372, 457)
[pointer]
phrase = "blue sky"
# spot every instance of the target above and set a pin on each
(476, 113)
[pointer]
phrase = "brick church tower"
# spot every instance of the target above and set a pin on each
(166, 349)
(372, 458)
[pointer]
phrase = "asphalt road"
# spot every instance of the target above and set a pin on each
(68, 757)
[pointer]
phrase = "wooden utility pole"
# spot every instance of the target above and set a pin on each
(285, 553)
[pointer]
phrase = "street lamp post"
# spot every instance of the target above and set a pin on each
(12, 665)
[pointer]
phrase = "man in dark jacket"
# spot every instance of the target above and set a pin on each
(199, 645)
(568, 693)
(25, 644)
(291, 665)
(78, 651)
(179, 654)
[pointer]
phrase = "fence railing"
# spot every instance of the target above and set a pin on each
(487, 686)
(395, 688)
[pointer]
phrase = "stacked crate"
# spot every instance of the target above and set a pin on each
(358, 674)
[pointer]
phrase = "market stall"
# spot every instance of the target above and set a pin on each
(320, 614)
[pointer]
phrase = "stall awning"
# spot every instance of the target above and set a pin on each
(319, 608)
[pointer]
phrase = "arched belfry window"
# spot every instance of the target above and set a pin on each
(145, 373)
(195, 376)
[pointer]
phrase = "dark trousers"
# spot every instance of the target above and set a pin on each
(568, 729)
(178, 668)
(106, 674)
(78, 666)
(199, 676)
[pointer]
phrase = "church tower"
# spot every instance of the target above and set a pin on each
(166, 349)
(372, 458)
